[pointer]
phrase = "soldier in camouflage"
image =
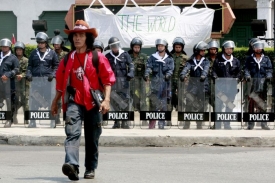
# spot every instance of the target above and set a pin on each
(61, 51)
(98, 46)
(59, 48)
(211, 56)
(180, 59)
(137, 84)
(22, 86)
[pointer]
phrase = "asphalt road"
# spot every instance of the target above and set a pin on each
(200, 164)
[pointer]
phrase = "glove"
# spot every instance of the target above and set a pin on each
(248, 79)
(50, 78)
(182, 78)
(29, 75)
(202, 79)
(214, 77)
(167, 77)
(268, 79)
(145, 78)
(129, 78)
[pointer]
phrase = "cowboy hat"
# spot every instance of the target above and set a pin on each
(82, 26)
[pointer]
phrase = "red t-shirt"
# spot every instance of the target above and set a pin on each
(76, 76)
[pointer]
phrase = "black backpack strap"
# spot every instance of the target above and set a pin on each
(95, 60)
(66, 58)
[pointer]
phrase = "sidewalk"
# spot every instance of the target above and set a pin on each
(173, 137)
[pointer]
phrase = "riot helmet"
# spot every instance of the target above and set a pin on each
(41, 37)
(200, 46)
(162, 42)
(228, 44)
(98, 44)
(5, 42)
(258, 45)
(57, 40)
(136, 41)
(113, 43)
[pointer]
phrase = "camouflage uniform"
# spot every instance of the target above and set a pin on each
(180, 62)
(211, 83)
(22, 87)
(61, 55)
(138, 88)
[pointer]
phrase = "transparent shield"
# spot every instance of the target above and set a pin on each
(6, 95)
(192, 103)
(121, 114)
(228, 104)
(41, 93)
(156, 111)
(258, 104)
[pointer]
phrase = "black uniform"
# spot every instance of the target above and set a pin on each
(9, 66)
(224, 69)
(123, 68)
(41, 65)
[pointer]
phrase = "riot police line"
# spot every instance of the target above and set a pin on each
(193, 109)
(204, 91)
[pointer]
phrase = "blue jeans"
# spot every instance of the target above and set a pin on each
(92, 130)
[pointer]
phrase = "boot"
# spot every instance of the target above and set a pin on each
(144, 123)
(264, 126)
(14, 119)
(53, 124)
(125, 125)
(227, 126)
(199, 125)
(116, 125)
(8, 124)
(57, 119)
(186, 125)
(250, 125)
(152, 124)
(32, 124)
(161, 124)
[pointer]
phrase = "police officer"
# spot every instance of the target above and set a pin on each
(9, 68)
(198, 67)
(22, 87)
(226, 66)
(123, 67)
(258, 66)
(98, 46)
(160, 66)
(138, 85)
(180, 59)
(211, 56)
(43, 62)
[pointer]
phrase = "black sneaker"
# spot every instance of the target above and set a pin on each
(250, 127)
(71, 171)
(89, 174)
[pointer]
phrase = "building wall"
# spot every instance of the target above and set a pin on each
(28, 10)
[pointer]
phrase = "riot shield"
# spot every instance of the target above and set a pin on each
(258, 104)
(41, 93)
(156, 111)
(228, 104)
(121, 114)
(6, 95)
(21, 100)
(192, 103)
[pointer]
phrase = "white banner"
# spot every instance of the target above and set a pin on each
(151, 23)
